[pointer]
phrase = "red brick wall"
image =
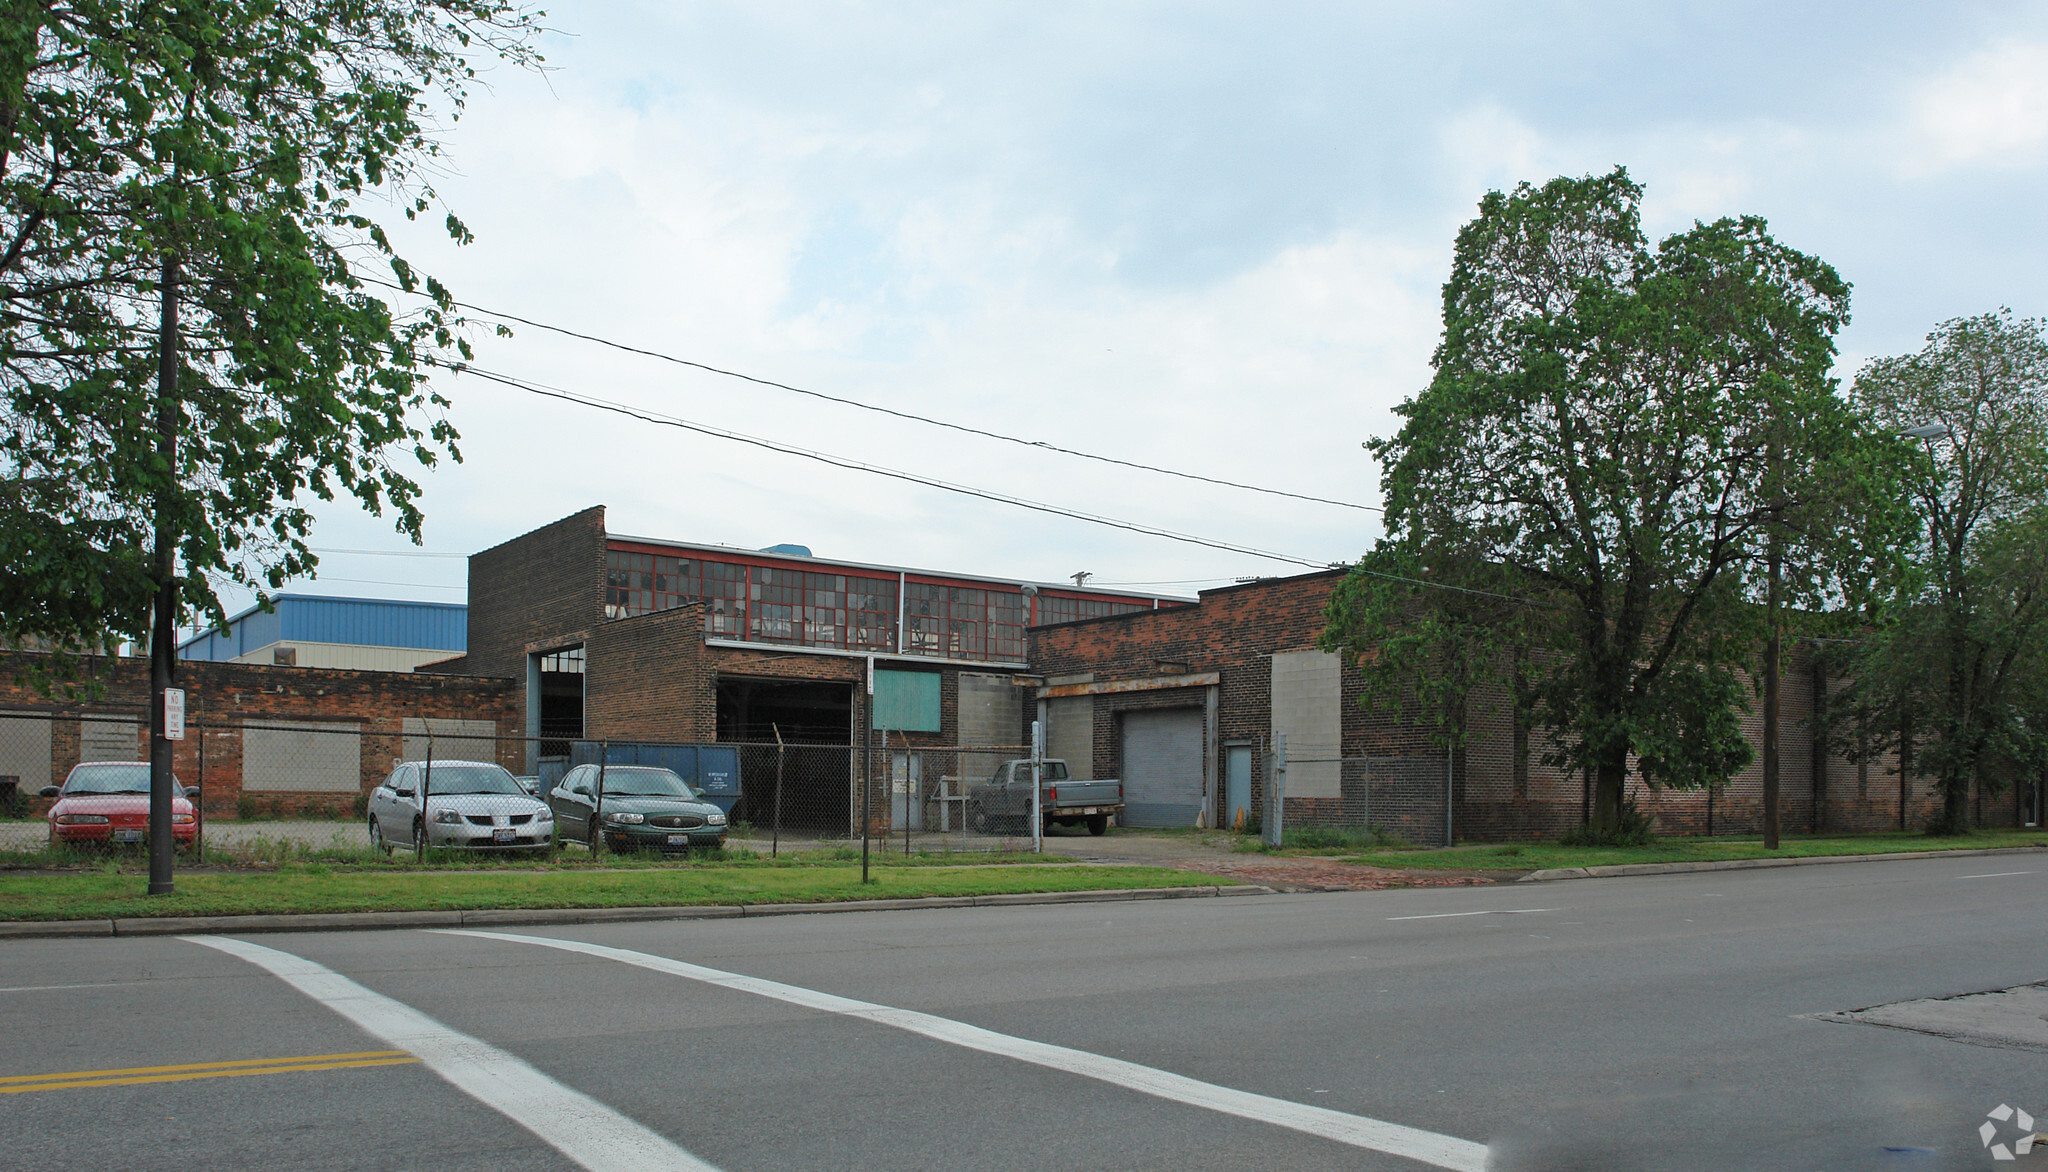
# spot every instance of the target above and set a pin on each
(536, 592)
(219, 697)
(1234, 631)
(649, 678)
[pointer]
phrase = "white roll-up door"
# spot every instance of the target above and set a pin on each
(1162, 762)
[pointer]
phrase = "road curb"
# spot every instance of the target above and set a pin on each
(532, 917)
(1621, 870)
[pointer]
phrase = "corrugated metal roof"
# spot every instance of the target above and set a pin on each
(368, 622)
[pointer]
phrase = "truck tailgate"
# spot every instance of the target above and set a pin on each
(1088, 793)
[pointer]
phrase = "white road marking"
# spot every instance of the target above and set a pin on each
(1513, 911)
(574, 1124)
(1413, 1143)
(1995, 875)
(91, 985)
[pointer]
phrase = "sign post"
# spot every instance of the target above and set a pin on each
(867, 783)
(1037, 786)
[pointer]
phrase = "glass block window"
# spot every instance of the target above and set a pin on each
(569, 660)
(1052, 609)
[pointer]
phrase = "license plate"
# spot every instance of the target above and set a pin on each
(127, 836)
(679, 840)
(505, 835)
(1089, 810)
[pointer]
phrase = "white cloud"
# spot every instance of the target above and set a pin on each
(1212, 244)
(1491, 148)
(1991, 107)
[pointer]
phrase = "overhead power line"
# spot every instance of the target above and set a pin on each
(912, 416)
(382, 582)
(390, 553)
(964, 490)
(876, 469)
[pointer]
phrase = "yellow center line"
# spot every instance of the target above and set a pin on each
(136, 1075)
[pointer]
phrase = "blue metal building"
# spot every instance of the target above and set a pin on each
(306, 630)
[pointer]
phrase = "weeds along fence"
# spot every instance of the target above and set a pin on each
(1409, 799)
(900, 796)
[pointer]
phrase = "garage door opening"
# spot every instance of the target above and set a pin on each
(816, 722)
(805, 713)
(1162, 767)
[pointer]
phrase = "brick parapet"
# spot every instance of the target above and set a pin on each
(536, 592)
(649, 678)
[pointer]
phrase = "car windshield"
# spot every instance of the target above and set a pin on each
(640, 781)
(471, 779)
(112, 777)
(1053, 770)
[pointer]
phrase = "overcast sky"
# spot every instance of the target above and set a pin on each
(1208, 237)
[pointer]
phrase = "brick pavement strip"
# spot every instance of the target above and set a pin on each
(1324, 875)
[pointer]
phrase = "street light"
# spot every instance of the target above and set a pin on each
(1927, 431)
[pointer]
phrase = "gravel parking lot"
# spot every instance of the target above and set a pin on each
(28, 836)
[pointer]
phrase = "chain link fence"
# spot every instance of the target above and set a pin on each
(421, 784)
(1404, 798)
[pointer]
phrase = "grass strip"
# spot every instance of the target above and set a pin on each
(318, 888)
(261, 852)
(1542, 856)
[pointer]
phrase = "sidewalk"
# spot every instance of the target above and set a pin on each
(1622, 870)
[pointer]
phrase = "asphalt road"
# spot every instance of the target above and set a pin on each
(1644, 1023)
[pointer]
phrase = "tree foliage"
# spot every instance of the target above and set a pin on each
(1956, 671)
(1580, 495)
(224, 157)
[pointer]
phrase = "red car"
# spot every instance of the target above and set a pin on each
(108, 802)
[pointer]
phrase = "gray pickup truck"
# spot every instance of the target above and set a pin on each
(1002, 804)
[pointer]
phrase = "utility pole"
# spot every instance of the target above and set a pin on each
(1774, 557)
(164, 610)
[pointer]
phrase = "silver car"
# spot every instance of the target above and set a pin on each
(468, 805)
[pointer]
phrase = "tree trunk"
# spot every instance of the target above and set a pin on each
(1609, 774)
(1520, 748)
(1958, 760)
(1905, 761)
(1820, 750)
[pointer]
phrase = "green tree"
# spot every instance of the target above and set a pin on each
(1955, 672)
(1582, 494)
(188, 355)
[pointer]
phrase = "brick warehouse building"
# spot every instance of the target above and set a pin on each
(1198, 693)
(611, 637)
(288, 739)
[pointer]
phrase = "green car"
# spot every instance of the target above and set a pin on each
(633, 807)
